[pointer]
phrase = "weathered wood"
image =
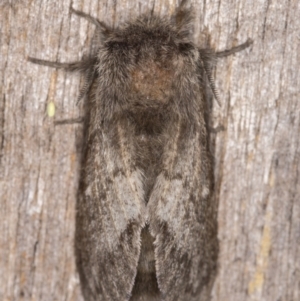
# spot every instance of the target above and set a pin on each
(257, 155)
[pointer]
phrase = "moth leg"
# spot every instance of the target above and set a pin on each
(81, 66)
(235, 49)
(100, 25)
(69, 121)
(86, 66)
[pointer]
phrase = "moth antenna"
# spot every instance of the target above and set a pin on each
(104, 29)
(89, 80)
(207, 71)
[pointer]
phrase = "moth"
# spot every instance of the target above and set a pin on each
(146, 223)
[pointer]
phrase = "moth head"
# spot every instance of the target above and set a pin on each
(148, 54)
(150, 27)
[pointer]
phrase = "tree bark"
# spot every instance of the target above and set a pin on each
(256, 156)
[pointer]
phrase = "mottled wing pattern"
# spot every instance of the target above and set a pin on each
(180, 209)
(110, 213)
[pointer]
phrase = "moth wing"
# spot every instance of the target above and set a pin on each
(181, 216)
(109, 215)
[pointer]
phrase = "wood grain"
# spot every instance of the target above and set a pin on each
(256, 157)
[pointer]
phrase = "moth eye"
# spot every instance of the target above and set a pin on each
(119, 45)
(185, 47)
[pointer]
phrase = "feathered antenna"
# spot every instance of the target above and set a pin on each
(208, 72)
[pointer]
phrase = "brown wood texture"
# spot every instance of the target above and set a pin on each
(257, 155)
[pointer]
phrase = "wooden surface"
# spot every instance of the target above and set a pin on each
(257, 155)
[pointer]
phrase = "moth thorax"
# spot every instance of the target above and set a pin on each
(151, 83)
